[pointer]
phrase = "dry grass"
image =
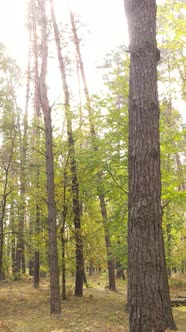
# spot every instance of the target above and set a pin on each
(24, 309)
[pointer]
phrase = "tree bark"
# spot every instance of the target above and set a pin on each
(55, 305)
(148, 293)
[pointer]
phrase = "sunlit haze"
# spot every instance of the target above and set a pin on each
(105, 20)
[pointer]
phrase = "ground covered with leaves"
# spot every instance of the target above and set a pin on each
(25, 309)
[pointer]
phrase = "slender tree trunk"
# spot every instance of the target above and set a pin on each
(1, 249)
(20, 253)
(3, 203)
(169, 240)
(55, 305)
(36, 254)
(110, 260)
(37, 114)
(73, 167)
(148, 293)
(182, 186)
(63, 268)
(13, 241)
(63, 242)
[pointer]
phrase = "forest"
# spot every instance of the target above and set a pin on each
(93, 185)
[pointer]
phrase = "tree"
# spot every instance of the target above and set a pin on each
(95, 148)
(73, 165)
(9, 79)
(171, 38)
(55, 306)
(148, 292)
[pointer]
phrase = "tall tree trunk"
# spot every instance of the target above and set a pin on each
(36, 253)
(20, 252)
(1, 248)
(13, 240)
(37, 115)
(63, 242)
(148, 293)
(110, 260)
(55, 305)
(73, 167)
(169, 239)
(3, 203)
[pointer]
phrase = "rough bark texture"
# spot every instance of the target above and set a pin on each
(73, 167)
(55, 306)
(148, 294)
(110, 260)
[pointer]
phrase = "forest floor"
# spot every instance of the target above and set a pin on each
(25, 309)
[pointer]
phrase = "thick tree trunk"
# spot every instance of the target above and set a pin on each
(55, 305)
(110, 260)
(148, 293)
(73, 167)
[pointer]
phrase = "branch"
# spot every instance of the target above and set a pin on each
(165, 205)
(115, 181)
(40, 152)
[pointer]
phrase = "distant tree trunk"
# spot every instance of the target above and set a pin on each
(90, 269)
(120, 271)
(3, 203)
(37, 115)
(110, 260)
(55, 305)
(148, 293)
(73, 167)
(20, 252)
(36, 254)
(63, 268)
(13, 245)
(20, 267)
(120, 274)
(63, 242)
(1, 249)
(169, 239)
(182, 186)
